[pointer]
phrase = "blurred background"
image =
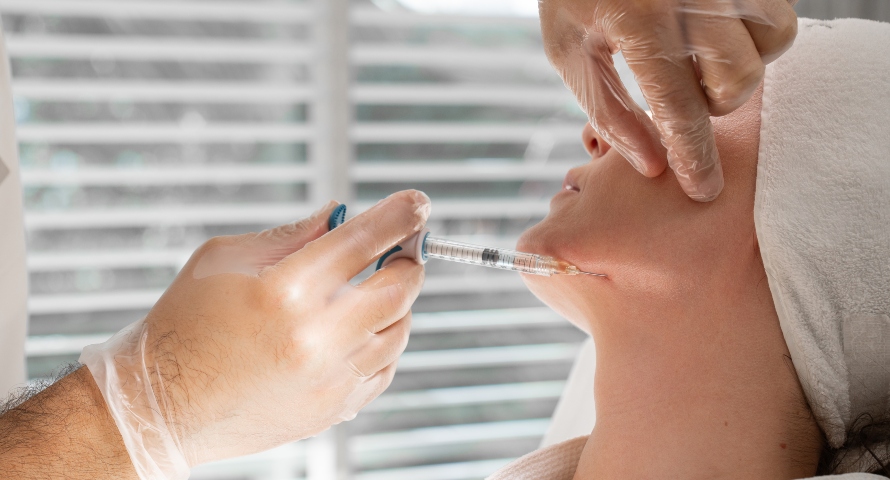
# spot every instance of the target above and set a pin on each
(148, 126)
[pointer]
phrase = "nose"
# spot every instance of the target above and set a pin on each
(594, 144)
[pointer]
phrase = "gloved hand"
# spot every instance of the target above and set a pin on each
(691, 58)
(261, 340)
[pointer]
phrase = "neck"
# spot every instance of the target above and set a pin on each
(698, 392)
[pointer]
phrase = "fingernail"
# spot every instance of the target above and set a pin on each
(421, 201)
(424, 205)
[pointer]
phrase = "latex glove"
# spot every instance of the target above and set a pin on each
(261, 340)
(691, 58)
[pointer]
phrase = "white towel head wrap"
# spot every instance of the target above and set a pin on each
(822, 214)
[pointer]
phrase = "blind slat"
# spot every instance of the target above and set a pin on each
(236, 214)
(441, 57)
(487, 356)
(157, 49)
(389, 132)
(373, 17)
(94, 260)
(264, 92)
(119, 133)
(161, 91)
(458, 172)
(447, 471)
(207, 175)
(228, 10)
(500, 95)
(474, 395)
(216, 175)
(464, 132)
(450, 434)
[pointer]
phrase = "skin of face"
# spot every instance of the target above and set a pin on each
(652, 241)
(693, 376)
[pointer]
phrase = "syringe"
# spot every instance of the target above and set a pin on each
(422, 247)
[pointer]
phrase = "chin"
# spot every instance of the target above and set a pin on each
(557, 293)
(563, 294)
(531, 242)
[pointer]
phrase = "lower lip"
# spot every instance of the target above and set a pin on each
(562, 193)
(569, 189)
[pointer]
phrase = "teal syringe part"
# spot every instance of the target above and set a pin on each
(338, 216)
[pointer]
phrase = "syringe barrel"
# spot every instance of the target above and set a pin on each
(488, 257)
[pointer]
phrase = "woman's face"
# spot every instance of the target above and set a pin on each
(656, 245)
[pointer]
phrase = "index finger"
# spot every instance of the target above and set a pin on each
(654, 48)
(344, 252)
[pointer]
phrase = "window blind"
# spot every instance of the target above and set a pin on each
(146, 127)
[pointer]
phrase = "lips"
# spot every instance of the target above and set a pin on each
(571, 181)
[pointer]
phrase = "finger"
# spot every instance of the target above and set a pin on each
(381, 349)
(281, 241)
(387, 295)
(654, 48)
(251, 253)
(772, 26)
(340, 255)
(383, 379)
(367, 390)
(590, 73)
(378, 383)
(728, 60)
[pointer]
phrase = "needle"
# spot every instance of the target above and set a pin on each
(593, 274)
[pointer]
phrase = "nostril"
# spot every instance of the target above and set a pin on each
(594, 144)
(602, 148)
(593, 147)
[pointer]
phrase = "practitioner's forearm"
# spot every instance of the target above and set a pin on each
(63, 432)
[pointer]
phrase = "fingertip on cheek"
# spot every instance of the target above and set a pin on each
(653, 169)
